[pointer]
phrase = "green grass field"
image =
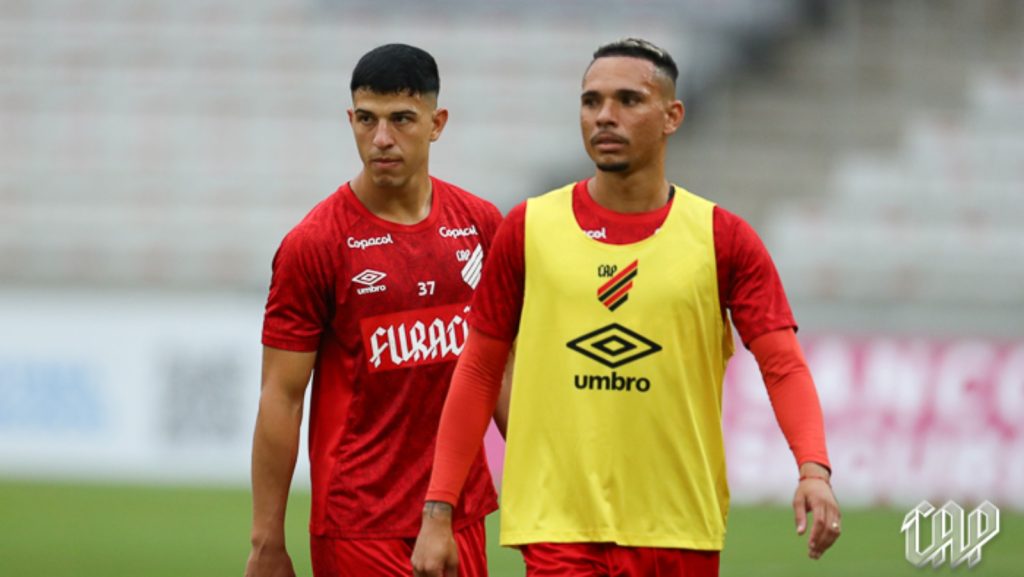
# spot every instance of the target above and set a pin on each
(54, 530)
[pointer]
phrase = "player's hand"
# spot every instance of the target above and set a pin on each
(814, 495)
(269, 561)
(435, 553)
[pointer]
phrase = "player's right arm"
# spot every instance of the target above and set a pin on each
(274, 451)
(474, 394)
(298, 309)
(505, 397)
(472, 398)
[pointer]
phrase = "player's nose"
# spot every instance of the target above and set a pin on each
(606, 114)
(382, 137)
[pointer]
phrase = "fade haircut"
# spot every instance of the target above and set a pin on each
(640, 48)
(397, 69)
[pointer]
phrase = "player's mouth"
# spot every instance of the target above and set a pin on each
(385, 162)
(608, 142)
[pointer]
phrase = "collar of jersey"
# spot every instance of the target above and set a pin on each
(435, 208)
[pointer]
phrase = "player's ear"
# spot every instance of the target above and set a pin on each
(351, 116)
(439, 119)
(674, 116)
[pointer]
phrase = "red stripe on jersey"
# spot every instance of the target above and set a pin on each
(613, 301)
(615, 279)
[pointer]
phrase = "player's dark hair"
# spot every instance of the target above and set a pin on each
(397, 68)
(640, 48)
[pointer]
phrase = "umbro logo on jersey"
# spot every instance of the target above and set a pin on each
(471, 272)
(364, 243)
(615, 292)
(613, 345)
(446, 232)
(369, 279)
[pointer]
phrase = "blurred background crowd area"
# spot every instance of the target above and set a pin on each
(154, 153)
(876, 145)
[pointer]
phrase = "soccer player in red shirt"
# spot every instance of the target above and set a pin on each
(370, 294)
(622, 471)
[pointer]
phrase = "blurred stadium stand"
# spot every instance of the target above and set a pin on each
(882, 158)
(876, 145)
(172, 144)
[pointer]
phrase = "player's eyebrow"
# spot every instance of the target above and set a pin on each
(395, 113)
(627, 92)
(620, 93)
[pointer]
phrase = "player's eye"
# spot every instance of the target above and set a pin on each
(365, 119)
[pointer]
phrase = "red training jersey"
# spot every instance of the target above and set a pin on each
(384, 305)
(749, 287)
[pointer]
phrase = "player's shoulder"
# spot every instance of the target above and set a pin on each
(735, 239)
(465, 200)
(322, 225)
(728, 222)
(518, 213)
(568, 188)
(551, 198)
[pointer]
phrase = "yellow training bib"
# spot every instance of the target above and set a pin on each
(615, 421)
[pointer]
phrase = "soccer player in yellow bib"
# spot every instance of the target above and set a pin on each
(619, 290)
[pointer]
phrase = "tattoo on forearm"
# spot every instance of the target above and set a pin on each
(434, 509)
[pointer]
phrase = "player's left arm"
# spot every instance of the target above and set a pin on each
(798, 412)
(753, 293)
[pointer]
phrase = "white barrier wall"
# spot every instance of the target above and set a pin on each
(164, 388)
(128, 386)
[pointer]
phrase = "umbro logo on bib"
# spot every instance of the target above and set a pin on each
(613, 346)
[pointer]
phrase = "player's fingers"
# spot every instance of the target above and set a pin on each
(800, 513)
(452, 566)
(833, 527)
(816, 539)
(426, 569)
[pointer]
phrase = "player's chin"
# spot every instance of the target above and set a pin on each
(612, 165)
(388, 180)
(609, 162)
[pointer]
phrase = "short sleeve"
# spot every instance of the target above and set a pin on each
(749, 284)
(498, 300)
(299, 305)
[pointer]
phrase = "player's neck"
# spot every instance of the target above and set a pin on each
(640, 191)
(408, 204)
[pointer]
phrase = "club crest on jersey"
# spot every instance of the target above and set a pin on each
(369, 279)
(413, 338)
(474, 264)
(615, 292)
